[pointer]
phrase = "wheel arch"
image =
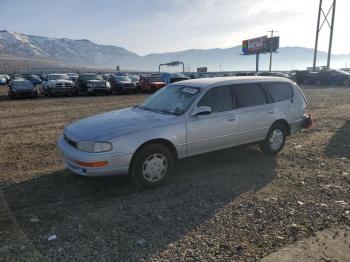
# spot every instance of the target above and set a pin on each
(284, 123)
(160, 141)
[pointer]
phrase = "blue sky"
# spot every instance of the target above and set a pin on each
(153, 26)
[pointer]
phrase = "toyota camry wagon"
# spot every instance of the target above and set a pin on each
(185, 119)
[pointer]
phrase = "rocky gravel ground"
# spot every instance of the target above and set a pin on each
(231, 205)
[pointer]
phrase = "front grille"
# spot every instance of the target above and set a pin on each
(128, 85)
(69, 141)
(99, 84)
(67, 85)
(59, 85)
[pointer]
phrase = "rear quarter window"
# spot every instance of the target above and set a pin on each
(280, 91)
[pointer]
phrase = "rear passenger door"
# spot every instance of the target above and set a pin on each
(255, 114)
(217, 130)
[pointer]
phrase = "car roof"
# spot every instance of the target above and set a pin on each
(216, 81)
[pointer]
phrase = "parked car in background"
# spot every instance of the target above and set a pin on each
(246, 74)
(333, 78)
(151, 83)
(34, 79)
(73, 76)
(135, 79)
(276, 74)
(3, 80)
(22, 88)
(91, 83)
(58, 84)
(43, 77)
(169, 78)
(182, 120)
(305, 77)
(122, 84)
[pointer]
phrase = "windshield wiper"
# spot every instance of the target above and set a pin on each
(164, 112)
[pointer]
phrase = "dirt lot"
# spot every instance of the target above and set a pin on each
(237, 204)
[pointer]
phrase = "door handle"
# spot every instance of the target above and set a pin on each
(231, 119)
(271, 112)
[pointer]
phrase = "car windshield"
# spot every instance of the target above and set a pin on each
(57, 77)
(90, 77)
(135, 78)
(173, 100)
(21, 84)
(122, 79)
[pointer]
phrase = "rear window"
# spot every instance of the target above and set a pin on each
(249, 95)
(280, 91)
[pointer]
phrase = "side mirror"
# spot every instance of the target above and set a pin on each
(202, 110)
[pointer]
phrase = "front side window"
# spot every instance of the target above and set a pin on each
(249, 95)
(280, 91)
(219, 99)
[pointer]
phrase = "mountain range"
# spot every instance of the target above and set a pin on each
(84, 53)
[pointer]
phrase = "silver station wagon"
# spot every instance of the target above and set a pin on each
(185, 119)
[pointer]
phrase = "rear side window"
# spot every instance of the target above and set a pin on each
(249, 95)
(218, 98)
(280, 91)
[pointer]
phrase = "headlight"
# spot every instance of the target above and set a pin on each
(108, 84)
(94, 147)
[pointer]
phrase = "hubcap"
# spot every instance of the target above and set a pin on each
(154, 168)
(276, 139)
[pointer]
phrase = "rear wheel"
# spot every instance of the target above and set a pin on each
(152, 166)
(275, 140)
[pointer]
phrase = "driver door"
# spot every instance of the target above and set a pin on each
(217, 130)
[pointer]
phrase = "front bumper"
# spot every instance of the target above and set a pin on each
(61, 90)
(118, 164)
(98, 90)
(23, 93)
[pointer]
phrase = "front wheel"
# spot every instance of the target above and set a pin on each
(274, 141)
(152, 166)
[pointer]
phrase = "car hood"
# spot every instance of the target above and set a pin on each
(59, 81)
(125, 82)
(96, 81)
(22, 87)
(116, 123)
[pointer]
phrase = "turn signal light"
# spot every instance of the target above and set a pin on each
(94, 164)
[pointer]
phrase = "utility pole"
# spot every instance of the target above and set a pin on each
(319, 27)
(272, 32)
(257, 63)
(331, 36)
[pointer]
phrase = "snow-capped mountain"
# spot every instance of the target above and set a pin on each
(75, 52)
(84, 53)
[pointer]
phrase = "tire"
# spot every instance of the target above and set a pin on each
(152, 166)
(272, 146)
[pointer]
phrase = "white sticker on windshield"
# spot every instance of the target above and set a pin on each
(190, 90)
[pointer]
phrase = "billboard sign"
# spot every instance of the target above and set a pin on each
(260, 45)
(254, 46)
(202, 69)
(272, 44)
